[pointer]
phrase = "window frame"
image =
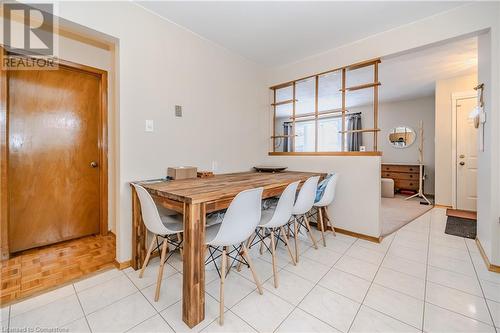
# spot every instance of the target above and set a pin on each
(343, 111)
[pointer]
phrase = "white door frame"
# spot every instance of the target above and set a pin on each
(454, 98)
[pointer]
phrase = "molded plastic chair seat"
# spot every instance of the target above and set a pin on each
(238, 223)
(329, 193)
(173, 222)
(162, 223)
(303, 204)
(272, 222)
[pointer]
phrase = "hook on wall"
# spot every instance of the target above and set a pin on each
(481, 88)
(480, 116)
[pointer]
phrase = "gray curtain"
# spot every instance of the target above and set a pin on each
(354, 140)
(287, 142)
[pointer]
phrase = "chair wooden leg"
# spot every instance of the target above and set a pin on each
(273, 255)
(310, 232)
(321, 224)
(250, 263)
(148, 255)
(249, 242)
(296, 236)
(325, 210)
(221, 290)
(287, 243)
(160, 269)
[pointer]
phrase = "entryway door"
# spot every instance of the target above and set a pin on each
(54, 156)
(467, 152)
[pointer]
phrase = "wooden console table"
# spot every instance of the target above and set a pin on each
(406, 177)
(194, 198)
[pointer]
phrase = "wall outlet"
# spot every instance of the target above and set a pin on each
(178, 111)
(149, 126)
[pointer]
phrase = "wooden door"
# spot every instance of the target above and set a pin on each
(467, 151)
(54, 159)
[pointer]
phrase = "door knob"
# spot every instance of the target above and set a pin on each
(462, 163)
(93, 164)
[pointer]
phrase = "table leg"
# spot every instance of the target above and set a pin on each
(193, 286)
(139, 233)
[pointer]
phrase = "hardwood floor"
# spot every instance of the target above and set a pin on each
(33, 271)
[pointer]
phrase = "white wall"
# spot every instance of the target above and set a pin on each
(474, 18)
(160, 65)
(488, 185)
(403, 113)
(444, 165)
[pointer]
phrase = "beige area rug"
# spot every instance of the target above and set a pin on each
(397, 212)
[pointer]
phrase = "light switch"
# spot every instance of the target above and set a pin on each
(178, 111)
(149, 126)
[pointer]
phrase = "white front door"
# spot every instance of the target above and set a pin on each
(467, 149)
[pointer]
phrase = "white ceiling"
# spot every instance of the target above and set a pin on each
(403, 77)
(275, 33)
(415, 73)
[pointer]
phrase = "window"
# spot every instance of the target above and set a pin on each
(319, 113)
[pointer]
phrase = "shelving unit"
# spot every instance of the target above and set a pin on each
(316, 115)
(284, 102)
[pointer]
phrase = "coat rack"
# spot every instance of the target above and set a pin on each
(421, 175)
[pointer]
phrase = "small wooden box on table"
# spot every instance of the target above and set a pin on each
(194, 198)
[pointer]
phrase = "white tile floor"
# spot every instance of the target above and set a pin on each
(419, 279)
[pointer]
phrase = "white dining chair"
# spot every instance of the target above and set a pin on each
(322, 206)
(272, 226)
(303, 204)
(162, 227)
(239, 222)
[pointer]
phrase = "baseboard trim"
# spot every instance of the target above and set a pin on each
(123, 265)
(489, 266)
(358, 235)
(351, 233)
(442, 206)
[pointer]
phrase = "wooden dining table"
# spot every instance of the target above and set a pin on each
(194, 198)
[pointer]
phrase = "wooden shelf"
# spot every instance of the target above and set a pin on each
(282, 136)
(362, 86)
(339, 90)
(320, 113)
(288, 101)
(361, 130)
(363, 64)
(349, 67)
(327, 153)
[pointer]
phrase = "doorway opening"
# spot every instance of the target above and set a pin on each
(420, 169)
(464, 152)
(54, 186)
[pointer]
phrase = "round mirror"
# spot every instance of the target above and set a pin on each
(402, 136)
